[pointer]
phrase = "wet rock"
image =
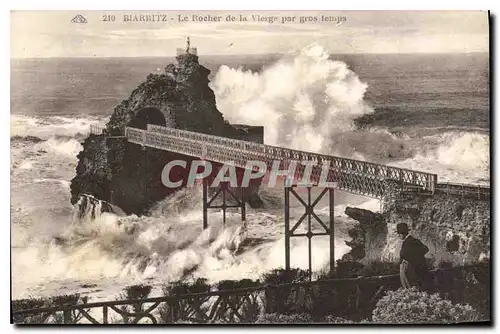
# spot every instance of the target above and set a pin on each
(365, 217)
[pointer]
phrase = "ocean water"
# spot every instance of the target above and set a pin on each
(424, 112)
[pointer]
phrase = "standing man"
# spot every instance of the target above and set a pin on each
(413, 268)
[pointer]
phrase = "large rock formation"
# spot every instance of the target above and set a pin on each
(129, 176)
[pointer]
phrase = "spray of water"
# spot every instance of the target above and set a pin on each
(169, 245)
(308, 101)
(301, 100)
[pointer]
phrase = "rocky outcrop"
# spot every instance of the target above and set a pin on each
(456, 229)
(129, 176)
(368, 235)
(89, 207)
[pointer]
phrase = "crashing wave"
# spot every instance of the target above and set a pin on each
(301, 100)
(51, 126)
(29, 139)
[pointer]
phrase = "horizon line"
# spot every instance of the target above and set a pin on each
(258, 54)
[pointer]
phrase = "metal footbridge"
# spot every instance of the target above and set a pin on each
(354, 176)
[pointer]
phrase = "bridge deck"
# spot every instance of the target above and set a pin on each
(358, 177)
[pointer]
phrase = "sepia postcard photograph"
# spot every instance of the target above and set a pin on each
(250, 167)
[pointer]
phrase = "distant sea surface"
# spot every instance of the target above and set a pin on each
(439, 89)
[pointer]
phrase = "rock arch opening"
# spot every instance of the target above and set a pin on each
(148, 115)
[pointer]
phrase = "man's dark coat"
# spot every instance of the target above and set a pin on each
(413, 251)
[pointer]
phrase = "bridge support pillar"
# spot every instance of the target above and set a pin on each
(309, 215)
(223, 193)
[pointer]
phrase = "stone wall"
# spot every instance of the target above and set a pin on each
(250, 133)
(455, 229)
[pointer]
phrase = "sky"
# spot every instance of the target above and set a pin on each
(40, 34)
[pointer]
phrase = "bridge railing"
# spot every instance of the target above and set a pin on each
(223, 306)
(96, 129)
(464, 190)
(233, 305)
(360, 177)
(215, 150)
(426, 180)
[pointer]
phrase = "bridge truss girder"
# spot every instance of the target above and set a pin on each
(308, 216)
(223, 192)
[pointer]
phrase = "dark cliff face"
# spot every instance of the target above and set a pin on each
(93, 174)
(128, 175)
